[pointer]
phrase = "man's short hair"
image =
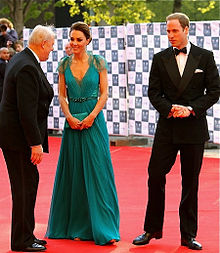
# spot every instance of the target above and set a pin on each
(41, 33)
(183, 19)
(19, 42)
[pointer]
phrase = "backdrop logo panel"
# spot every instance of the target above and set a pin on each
(143, 41)
(129, 51)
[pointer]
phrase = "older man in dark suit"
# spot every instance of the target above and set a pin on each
(23, 132)
(184, 83)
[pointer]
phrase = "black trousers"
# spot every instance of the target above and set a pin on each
(24, 178)
(162, 159)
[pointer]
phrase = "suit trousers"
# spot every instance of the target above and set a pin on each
(24, 179)
(162, 159)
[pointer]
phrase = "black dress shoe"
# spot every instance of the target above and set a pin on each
(41, 242)
(35, 247)
(191, 243)
(146, 237)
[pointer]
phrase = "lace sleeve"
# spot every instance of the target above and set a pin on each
(100, 63)
(63, 64)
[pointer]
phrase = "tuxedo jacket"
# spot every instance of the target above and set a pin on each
(25, 104)
(2, 74)
(199, 87)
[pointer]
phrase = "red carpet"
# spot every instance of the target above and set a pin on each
(130, 164)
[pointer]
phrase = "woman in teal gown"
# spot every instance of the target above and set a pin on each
(84, 203)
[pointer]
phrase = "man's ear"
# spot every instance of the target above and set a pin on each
(43, 43)
(186, 30)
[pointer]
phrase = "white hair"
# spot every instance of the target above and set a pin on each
(41, 33)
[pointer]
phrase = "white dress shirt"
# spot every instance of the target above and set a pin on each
(181, 59)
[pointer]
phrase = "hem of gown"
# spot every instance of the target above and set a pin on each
(69, 238)
(106, 243)
(82, 239)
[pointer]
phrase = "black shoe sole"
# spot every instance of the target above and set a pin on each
(27, 250)
(193, 248)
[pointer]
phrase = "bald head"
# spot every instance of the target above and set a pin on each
(4, 53)
(68, 49)
(3, 49)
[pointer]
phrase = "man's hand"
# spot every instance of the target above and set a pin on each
(36, 154)
(180, 111)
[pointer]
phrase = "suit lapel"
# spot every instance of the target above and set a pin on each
(43, 77)
(191, 65)
(172, 67)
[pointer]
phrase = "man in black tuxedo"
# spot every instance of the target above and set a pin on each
(23, 132)
(4, 56)
(184, 83)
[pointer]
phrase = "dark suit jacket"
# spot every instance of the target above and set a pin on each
(25, 104)
(199, 87)
(2, 74)
(4, 39)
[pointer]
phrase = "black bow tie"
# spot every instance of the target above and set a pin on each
(177, 51)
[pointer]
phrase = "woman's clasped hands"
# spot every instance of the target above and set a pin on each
(80, 125)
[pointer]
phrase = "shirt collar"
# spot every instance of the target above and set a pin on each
(188, 47)
(37, 58)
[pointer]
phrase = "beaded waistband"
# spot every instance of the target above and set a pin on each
(81, 100)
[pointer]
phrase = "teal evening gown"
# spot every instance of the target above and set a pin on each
(84, 203)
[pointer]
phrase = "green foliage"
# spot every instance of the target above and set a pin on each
(202, 10)
(74, 7)
(37, 9)
(197, 10)
(34, 12)
(4, 11)
(48, 15)
(210, 6)
(161, 9)
(110, 12)
(118, 12)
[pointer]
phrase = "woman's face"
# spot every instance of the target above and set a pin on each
(78, 41)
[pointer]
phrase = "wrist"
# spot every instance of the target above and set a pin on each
(190, 108)
(93, 115)
(35, 147)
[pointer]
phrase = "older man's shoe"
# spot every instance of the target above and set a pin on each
(191, 243)
(39, 241)
(146, 237)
